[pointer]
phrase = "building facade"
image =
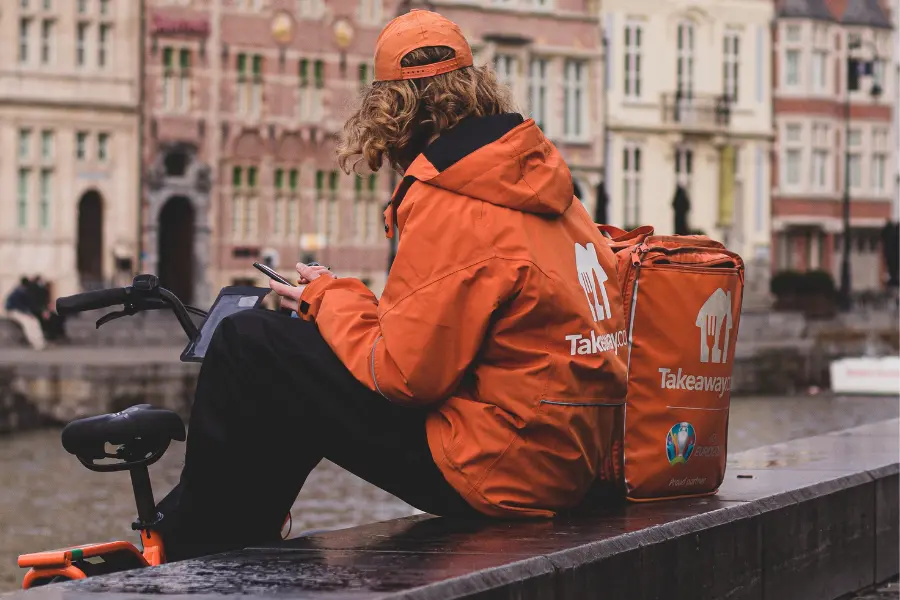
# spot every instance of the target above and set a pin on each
(819, 119)
(243, 103)
(689, 121)
(549, 53)
(69, 97)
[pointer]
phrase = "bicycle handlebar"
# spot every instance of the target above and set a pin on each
(143, 294)
(91, 301)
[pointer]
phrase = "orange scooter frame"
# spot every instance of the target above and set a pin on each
(92, 559)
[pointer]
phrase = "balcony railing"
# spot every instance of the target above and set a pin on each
(696, 113)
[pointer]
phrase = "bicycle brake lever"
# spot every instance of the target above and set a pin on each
(112, 317)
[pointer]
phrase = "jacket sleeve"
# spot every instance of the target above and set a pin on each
(417, 348)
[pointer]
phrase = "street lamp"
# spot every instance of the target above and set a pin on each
(855, 68)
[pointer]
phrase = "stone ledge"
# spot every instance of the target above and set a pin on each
(810, 519)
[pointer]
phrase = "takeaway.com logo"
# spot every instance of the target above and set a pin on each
(715, 321)
(592, 279)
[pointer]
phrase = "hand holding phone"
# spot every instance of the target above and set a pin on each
(272, 274)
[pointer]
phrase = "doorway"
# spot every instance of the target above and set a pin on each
(89, 249)
(175, 267)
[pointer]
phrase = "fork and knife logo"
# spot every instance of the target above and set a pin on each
(592, 279)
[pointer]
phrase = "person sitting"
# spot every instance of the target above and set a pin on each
(481, 384)
(19, 308)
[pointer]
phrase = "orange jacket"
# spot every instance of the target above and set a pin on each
(501, 310)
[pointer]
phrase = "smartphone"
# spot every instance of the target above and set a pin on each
(271, 274)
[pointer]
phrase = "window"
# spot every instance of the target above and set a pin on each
(359, 209)
(278, 220)
(375, 210)
(309, 97)
(48, 4)
(878, 72)
(506, 68)
(320, 74)
(176, 79)
(880, 153)
(537, 91)
(684, 62)
(854, 146)
(370, 11)
(293, 209)
(237, 202)
(684, 167)
(574, 100)
(81, 145)
(792, 167)
(184, 79)
(633, 32)
(244, 211)
(821, 155)
(44, 198)
(731, 66)
(103, 147)
(104, 7)
(24, 144)
(793, 133)
(81, 34)
(310, 9)
(47, 145)
(82, 7)
(792, 33)
(792, 67)
(102, 42)
(24, 39)
(363, 75)
(631, 185)
(332, 222)
(257, 85)
(820, 70)
(22, 196)
(47, 26)
(319, 218)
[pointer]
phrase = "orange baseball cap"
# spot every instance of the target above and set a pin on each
(419, 29)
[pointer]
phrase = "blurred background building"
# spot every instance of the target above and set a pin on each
(690, 121)
(823, 109)
(190, 138)
(69, 100)
(243, 101)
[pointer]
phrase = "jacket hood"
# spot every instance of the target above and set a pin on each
(501, 159)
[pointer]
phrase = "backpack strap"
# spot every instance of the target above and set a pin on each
(619, 239)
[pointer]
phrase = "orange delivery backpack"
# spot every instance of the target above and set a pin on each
(682, 297)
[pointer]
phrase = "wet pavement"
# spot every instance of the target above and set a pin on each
(810, 525)
(48, 500)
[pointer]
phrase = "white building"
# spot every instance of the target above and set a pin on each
(69, 97)
(690, 104)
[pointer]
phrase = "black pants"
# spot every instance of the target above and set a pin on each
(272, 400)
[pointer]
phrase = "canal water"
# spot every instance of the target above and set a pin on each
(48, 500)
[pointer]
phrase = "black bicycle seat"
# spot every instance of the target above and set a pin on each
(144, 424)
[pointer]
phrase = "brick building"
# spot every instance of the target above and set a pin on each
(813, 39)
(550, 54)
(243, 100)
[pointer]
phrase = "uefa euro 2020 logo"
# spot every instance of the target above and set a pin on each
(680, 443)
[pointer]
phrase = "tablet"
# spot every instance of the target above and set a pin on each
(231, 300)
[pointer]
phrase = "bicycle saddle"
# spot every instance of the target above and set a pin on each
(87, 438)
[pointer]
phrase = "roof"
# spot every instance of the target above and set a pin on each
(866, 13)
(804, 9)
(861, 13)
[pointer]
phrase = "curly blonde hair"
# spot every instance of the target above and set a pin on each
(397, 119)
